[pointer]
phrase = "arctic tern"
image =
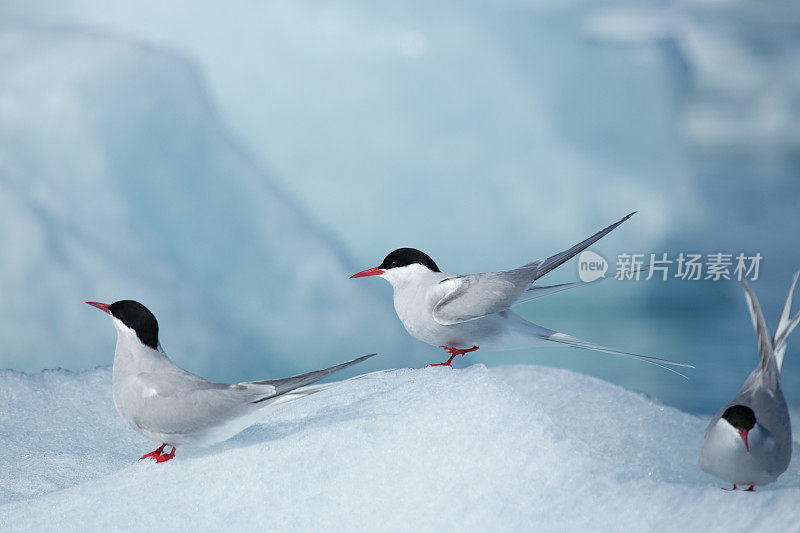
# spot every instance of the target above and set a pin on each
(462, 313)
(170, 405)
(749, 440)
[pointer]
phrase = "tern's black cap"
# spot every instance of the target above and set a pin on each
(408, 256)
(740, 416)
(139, 319)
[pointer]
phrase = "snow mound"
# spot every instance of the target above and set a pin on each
(478, 449)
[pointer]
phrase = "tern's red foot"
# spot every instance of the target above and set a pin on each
(454, 352)
(446, 363)
(166, 456)
(734, 488)
(751, 489)
(155, 454)
(458, 351)
(159, 454)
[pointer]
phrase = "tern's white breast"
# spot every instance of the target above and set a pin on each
(725, 456)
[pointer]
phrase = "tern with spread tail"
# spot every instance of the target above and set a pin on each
(749, 440)
(464, 313)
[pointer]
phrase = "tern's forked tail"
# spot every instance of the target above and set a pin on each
(772, 349)
(569, 340)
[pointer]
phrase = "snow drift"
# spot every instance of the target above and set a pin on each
(506, 448)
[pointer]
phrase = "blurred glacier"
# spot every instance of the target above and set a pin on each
(489, 134)
(119, 181)
(464, 125)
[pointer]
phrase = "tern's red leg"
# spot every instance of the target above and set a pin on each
(734, 488)
(454, 352)
(155, 454)
(751, 489)
(166, 456)
(446, 363)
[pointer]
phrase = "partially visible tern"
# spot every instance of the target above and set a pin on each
(169, 405)
(749, 440)
(462, 313)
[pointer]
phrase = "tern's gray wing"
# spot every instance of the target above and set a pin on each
(476, 295)
(284, 385)
(557, 260)
(180, 403)
(785, 325)
(535, 292)
(768, 363)
(771, 411)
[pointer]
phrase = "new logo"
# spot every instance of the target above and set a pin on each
(591, 266)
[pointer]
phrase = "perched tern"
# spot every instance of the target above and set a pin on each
(169, 405)
(749, 440)
(462, 313)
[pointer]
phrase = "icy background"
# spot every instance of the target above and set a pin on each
(119, 181)
(231, 164)
(481, 449)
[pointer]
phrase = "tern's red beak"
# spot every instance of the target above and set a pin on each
(368, 272)
(743, 435)
(102, 307)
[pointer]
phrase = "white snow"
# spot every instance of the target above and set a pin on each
(508, 448)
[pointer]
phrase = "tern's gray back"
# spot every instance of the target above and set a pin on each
(476, 295)
(166, 403)
(762, 393)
